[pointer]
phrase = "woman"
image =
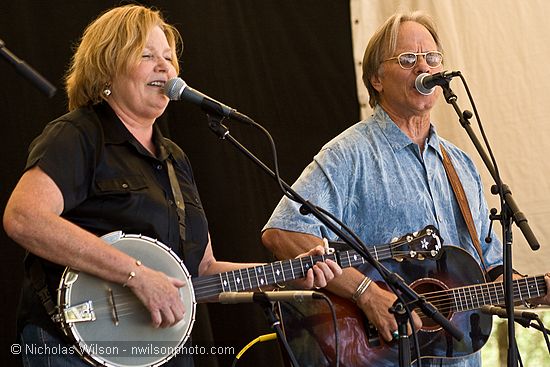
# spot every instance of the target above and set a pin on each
(103, 167)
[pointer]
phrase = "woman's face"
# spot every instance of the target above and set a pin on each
(138, 94)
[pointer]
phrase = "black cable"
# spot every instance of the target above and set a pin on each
(383, 271)
(497, 178)
(336, 330)
(518, 355)
(505, 221)
(275, 158)
(544, 332)
(399, 296)
(414, 337)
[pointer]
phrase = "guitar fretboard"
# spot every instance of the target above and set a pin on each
(476, 296)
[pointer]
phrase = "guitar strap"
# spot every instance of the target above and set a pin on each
(178, 197)
(38, 280)
(462, 200)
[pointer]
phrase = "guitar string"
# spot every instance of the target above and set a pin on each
(526, 284)
(209, 286)
(287, 266)
(493, 288)
(448, 303)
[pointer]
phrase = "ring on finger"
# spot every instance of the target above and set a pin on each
(395, 334)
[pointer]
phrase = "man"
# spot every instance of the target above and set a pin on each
(384, 177)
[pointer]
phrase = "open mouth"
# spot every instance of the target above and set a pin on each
(157, 83)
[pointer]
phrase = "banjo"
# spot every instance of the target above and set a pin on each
(109, 326)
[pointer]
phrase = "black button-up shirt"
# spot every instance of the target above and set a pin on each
(110, 182)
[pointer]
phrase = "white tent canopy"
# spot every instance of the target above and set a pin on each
(502, 48)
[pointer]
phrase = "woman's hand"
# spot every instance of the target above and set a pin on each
(160, 295)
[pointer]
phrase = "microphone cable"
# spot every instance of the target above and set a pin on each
(273, 336)
(335, 325)
(380, 268)
(544, 331)
(260, 339)
(497, 177)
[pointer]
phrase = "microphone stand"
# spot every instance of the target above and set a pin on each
(275, 324)
(28, 72)
(509, 213)
(394, 281)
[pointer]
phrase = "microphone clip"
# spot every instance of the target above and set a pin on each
(215, 124)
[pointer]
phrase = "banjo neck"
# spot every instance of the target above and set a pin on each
(422, 244)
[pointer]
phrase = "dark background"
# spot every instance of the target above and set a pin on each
(287, 64)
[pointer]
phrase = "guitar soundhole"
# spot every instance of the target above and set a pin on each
(432, 286)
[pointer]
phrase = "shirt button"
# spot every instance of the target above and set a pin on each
(124, 185)
(159, 167)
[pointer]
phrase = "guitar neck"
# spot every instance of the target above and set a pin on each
(279, 272)
(477, 296)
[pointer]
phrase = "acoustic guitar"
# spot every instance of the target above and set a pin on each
(454, 283)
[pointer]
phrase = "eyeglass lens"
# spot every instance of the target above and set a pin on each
(407, 60)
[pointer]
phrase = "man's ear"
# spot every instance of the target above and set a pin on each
(376, 83)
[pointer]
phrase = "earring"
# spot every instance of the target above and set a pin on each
(107, 92)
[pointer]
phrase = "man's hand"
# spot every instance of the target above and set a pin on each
(321, 273)
(375, 303)
(545, 300)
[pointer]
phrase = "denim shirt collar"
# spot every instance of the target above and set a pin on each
(396, 137)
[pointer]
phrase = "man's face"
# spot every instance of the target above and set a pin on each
(398, 95)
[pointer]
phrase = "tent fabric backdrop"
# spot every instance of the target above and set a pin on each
(501, 47)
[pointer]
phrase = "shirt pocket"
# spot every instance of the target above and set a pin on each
(120, 185)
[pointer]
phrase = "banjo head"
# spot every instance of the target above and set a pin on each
(117, 330)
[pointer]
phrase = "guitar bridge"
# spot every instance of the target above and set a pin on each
(78, 313)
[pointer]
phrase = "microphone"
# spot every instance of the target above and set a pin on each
(425, 83)
(501, 312)
(176, 89)
(249, 297)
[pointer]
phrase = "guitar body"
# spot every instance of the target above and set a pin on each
(310, 332)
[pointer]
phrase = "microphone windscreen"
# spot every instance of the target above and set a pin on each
(173, 88)
(419, 85)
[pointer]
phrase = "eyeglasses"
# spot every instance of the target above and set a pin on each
(407, 60)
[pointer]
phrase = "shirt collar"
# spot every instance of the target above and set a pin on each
(116, 133)
(396, 137)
